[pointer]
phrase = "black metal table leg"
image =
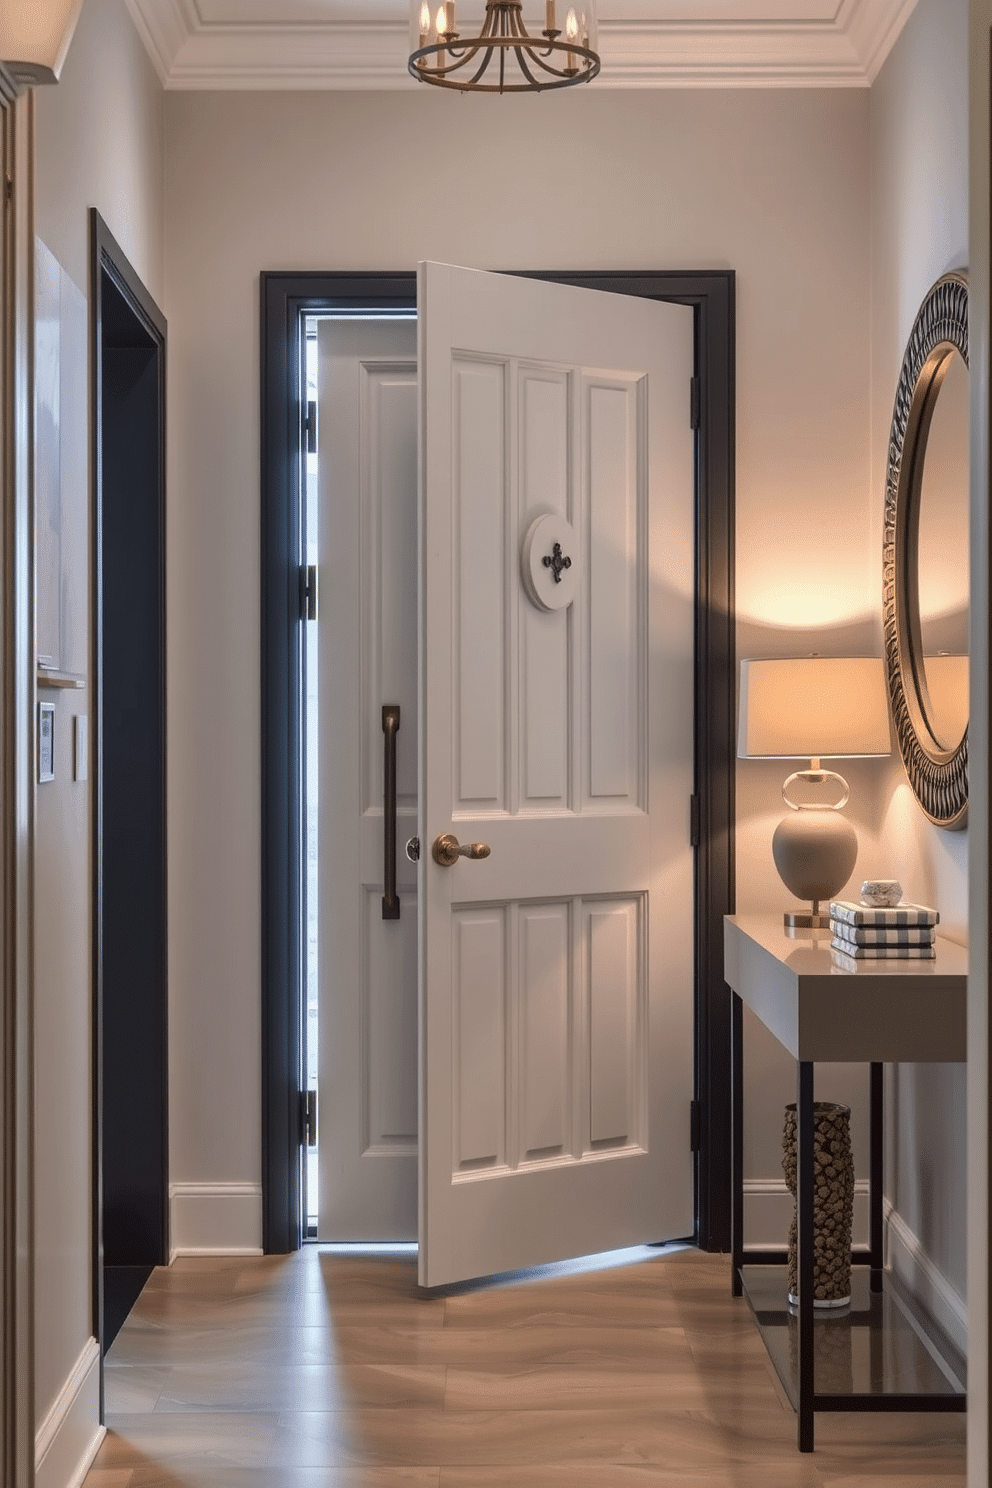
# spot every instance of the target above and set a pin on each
(876, 1173)
(736, 1143)
(804, 1202)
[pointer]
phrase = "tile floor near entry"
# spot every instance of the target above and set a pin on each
(329, 1370)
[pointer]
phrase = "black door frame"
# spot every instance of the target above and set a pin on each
(109, 267)
(285, 299)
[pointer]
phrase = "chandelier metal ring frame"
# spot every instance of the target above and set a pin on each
(548, 59)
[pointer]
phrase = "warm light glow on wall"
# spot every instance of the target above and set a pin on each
(35, 36)
(788, 596)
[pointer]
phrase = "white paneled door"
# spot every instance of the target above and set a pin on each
(553, 722)
(367, 648)
(556, 727)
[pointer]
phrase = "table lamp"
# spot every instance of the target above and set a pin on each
(813, 707)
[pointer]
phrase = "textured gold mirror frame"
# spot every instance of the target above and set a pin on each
(938, 775)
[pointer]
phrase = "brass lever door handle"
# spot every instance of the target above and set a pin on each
(446, 850)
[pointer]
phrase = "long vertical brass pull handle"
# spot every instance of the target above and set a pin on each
(390, 728)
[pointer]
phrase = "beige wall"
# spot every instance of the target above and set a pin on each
(99, 142)
(919, 215)
(773, 184)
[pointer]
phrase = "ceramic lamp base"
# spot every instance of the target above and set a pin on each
(815, 850)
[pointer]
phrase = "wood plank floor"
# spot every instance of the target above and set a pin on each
(329, 1370)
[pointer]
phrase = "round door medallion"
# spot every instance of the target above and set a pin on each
(549, 562)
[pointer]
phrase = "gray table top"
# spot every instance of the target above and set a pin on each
(822, 1008)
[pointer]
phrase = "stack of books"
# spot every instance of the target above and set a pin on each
(905, 932)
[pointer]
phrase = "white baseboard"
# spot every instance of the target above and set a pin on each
(768, 1207)
(215, 1219)
(70, 1435)
(907, 1258)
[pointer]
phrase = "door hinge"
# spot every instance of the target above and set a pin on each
(693, 402)
(308, 592)
(693, 821)
(310, 426)
(695, 1122)
(308, 1100)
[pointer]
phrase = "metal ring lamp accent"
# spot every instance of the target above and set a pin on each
(938, 776)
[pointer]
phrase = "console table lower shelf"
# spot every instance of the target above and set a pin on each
(886, 1358)
(880, 1353)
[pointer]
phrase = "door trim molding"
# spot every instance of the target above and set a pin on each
(107, 258)
(285, 298)
(17, 792)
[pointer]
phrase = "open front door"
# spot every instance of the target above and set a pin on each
(556, 720)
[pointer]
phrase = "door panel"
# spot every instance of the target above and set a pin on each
(556, 974)
(367, 639)
(614, 615)
(546, 1043)
(545, 639)
(480, 675)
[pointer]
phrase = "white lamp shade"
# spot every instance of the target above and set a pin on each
(35, 36)
(813, 707)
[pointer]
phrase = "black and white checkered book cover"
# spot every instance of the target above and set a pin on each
(883, 952)
(890, 935)
(848, 913)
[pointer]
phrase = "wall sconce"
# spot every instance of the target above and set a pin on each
(35, 36)
(813, 707)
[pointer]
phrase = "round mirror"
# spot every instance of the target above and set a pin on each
(926, 555)
(942, 559)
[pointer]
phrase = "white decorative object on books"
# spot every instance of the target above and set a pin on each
(881, 893)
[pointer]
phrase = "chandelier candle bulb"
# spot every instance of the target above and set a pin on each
(449, 17)
(572, 35)
(550, 23)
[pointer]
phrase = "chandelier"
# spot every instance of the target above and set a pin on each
(497, 54)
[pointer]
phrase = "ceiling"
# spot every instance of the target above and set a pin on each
(644, 43)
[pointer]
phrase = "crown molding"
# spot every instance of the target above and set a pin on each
(165, 28)
(845, 52)
(874, 29)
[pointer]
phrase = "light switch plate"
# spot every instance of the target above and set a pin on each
(46, 741)
(80, 747)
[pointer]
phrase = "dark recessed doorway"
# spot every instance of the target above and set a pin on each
(131, 1159)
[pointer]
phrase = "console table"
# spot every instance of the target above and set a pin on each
(885, 1354)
